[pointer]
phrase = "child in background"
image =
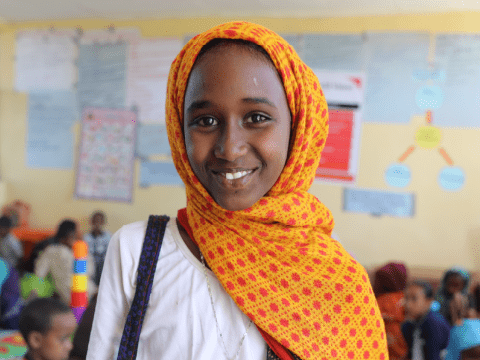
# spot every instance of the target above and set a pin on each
(426, 332)
(10, 301)
(97, 240)
(455, 281)
(57, 260)
(11, 249)
(476, 299)
(47, 325)
(465, 335)
(388, 286)
(66, 228)
(82, 335)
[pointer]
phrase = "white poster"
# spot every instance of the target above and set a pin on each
(45, 60)
(149, 62)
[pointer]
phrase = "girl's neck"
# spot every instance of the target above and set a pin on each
(189, 242)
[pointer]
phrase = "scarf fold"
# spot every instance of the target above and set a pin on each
(276, 259)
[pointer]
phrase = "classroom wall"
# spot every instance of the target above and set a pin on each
(444, 231)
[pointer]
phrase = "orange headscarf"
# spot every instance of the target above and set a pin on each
(276, 259)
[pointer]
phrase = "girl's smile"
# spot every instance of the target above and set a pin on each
(237, 125)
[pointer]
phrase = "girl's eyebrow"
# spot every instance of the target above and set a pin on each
(203, 104)
(260, 100)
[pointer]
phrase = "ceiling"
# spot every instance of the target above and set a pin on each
(27, 10)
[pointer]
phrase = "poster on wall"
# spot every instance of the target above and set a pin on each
(50, 140)
(344, 51)
(110, 35)
(457, 57)
(378, 203)
(102, 75)
(106, 156)
(344, 92)
(149, 62)
(391, 61)
(45, 60)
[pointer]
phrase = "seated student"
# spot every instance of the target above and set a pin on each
(11, 249)
(456, 280)
(476, 299)
(10, 301)
(97, 240)
(465, 335)
(388, 286)
(82, 335)
(65, 229)
(47, 325)
(426, 332)
(57, 260)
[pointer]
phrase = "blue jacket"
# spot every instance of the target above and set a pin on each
(11, 303)
(463, 337)
(434, 331)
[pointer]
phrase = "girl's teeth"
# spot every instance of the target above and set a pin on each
(237, 175)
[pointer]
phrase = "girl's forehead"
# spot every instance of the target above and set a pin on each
(234, 70)
(232, 51)
(455, 277)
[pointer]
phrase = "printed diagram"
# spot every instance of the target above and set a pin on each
(451, 177)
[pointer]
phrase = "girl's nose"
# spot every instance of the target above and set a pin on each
(231, 142)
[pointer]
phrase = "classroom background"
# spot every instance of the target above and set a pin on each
(401, 173)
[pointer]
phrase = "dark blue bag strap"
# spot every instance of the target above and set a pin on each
(146, 271)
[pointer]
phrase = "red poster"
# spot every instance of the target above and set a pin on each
(335, 161)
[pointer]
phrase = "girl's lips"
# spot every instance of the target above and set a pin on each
(234, 179)
(236, 175)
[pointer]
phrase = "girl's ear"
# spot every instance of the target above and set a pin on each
(35, 340)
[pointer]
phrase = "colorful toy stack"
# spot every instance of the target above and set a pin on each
(79, 280)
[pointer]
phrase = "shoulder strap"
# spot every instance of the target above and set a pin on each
(146, 271)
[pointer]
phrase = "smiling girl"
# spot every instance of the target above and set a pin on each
(248, 269)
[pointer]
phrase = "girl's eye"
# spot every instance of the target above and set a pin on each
(207, 121)
(257, 118)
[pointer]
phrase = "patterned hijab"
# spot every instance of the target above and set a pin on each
(276, 259)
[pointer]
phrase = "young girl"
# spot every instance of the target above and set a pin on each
(57, 260)
(455, 281)
(464, 341)
(390, 281)
(248, 269)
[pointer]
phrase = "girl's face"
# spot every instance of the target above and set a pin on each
(416, 303)
(454, 284)
(237, 125)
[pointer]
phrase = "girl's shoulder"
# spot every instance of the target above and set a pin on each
(130, 235)
(129, 238)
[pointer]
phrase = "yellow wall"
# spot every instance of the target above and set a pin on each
(444, 231)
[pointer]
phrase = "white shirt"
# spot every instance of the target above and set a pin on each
(179, 321)
(97, 245)
(57, 260)
(417, 345)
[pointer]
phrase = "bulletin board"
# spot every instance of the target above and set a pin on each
(393, 153)
(372, 77)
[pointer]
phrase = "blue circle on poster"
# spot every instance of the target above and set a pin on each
(398, 175)
(429, 97)
(451, 178)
